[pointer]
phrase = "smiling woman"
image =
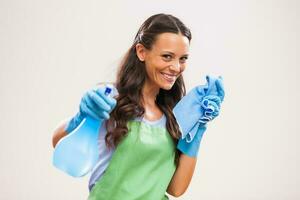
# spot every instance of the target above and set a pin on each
(166, 60)
(138, 156)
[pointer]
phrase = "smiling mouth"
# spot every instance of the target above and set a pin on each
(169, 77)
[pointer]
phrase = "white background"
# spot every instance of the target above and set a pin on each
(52, 51)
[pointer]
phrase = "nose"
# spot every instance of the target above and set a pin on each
(175, 66)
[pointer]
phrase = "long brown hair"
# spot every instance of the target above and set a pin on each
(131, 77)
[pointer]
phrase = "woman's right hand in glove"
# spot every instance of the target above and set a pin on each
(94, 103)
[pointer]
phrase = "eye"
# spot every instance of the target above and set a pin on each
(167, 57)
(183, 59)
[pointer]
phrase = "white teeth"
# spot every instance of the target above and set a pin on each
(169, 77)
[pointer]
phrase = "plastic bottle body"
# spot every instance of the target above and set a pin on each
(77, 153)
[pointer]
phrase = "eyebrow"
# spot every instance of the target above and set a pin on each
(174, 53)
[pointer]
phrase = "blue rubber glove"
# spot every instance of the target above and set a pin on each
(190, 145)
(199, 106)
(192, 148)
(94, 103)
(191, 104)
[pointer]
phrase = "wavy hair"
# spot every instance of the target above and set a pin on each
(131, 77)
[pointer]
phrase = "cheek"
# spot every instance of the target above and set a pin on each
(159, 64)
(155, 66)
(182, 68)
(150, 70)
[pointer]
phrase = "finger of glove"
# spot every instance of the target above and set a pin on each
(212, 89)
(205, 105)
(85, 110)
(205, 119)
(214, 98)
(208, 84)
(92, 108)
(109, 100)
(216, 107)
(102, 113)
(99, 101)
(200, 90)
(211, 109)
(220, 88)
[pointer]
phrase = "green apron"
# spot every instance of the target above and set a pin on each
(141, 166)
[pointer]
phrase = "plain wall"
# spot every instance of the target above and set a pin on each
(52, 51)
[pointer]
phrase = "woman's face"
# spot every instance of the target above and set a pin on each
(166, 60)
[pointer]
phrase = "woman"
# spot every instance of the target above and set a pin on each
(138, 155)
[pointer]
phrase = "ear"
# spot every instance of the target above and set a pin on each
(140, 51)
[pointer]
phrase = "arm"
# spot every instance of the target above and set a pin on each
(207, 101)
(59, 133)
(187, 162)
(182, 176)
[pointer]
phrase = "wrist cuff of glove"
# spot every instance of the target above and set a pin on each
(74, 122)
(191, 148)
(187, 149)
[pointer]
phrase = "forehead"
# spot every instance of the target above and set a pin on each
(173, 42)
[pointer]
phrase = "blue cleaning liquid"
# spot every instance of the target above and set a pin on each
(77, 153)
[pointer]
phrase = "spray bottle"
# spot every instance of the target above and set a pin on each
(77, 153)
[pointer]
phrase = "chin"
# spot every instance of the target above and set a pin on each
(166, 86)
